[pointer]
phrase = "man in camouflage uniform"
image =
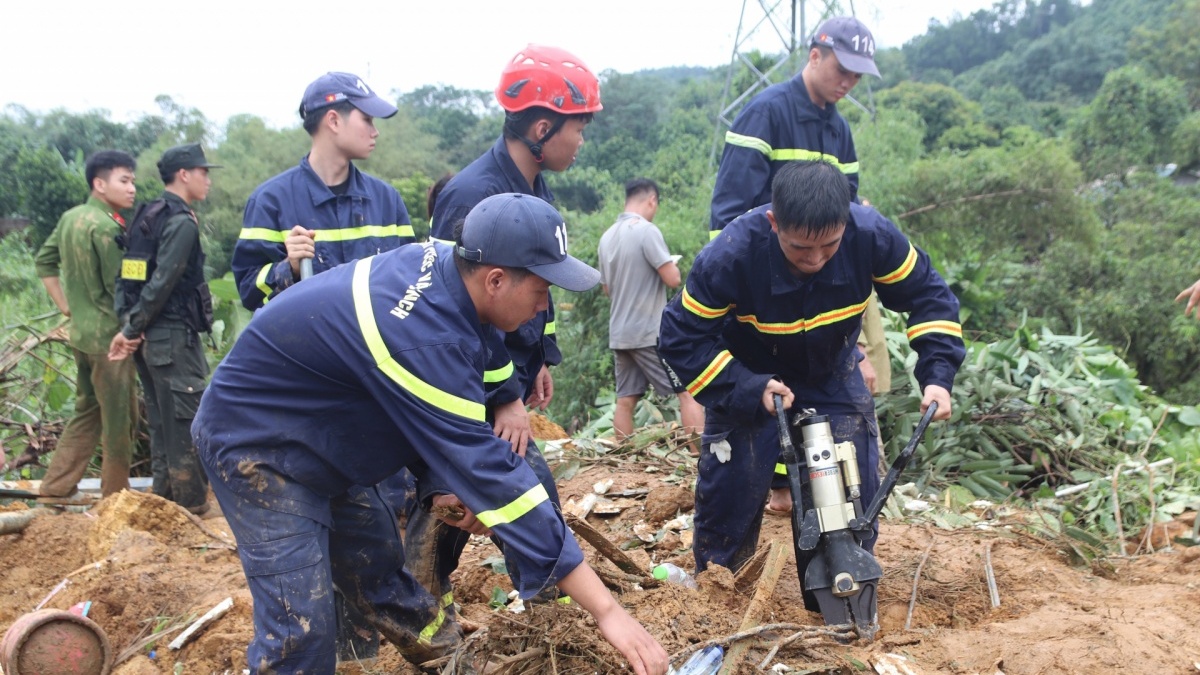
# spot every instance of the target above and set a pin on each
(78, 265)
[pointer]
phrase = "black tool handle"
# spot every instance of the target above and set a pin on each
(889, 481)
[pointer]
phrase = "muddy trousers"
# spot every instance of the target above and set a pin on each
(433, 547)
(729, 496)
(293, 563)
(173, 371)
(105, 415)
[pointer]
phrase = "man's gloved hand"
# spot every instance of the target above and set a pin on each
(721, 449)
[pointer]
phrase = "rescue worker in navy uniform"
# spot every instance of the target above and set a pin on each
(548, 96)
(325, 208)
(372, 367)
(164, 304)
(773, 306)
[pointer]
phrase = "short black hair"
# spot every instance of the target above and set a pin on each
(312, 119)
(640, 186)
(434, 191)
(812, 197)
(100, 164)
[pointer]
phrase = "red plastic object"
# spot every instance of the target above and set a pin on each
(55, 642)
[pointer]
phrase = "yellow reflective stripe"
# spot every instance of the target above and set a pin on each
(712, 234)
(448, 599)
(781, 469)
(409, 382)
(798, 155)
(946, 327)
(498, 375)
(263, 234)
(441, 241)
(514, 509)
(903, 271)
(700, 310)
(822, 319)
(351, 233)
(549, 330)
(710, 373)
(429, 631)
(261, 281)
(748, 142)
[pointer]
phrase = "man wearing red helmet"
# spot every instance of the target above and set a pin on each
(548, 96)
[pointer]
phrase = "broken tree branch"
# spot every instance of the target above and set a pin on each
(912, 601)
(840, 634)
(201, 623)
(759, 603)
(605, 547)
(973, 198)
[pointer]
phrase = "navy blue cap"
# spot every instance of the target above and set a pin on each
(851, 41)
(516, 230)
(332, 88)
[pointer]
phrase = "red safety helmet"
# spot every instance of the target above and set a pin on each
(548, 77)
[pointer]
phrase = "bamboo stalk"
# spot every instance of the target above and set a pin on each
(993, 591)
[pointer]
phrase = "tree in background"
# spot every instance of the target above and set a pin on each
(1131, 122)
(46, 187)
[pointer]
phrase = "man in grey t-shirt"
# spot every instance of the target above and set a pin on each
(635, 269)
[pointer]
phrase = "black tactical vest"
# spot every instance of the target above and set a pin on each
(190, 301)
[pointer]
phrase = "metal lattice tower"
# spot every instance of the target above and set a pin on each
(764, 26)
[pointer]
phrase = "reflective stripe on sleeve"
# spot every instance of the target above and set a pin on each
(712, 234)
(748, 142)
(901, 273)
(261, 281)
(781, 469)
(945, 327)
(378, 349)
(718, 364)
(549, 329)
(700, 310)
(263, 234)
(514, 509)
(499, 374)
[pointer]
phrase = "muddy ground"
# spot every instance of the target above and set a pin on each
(147, 567)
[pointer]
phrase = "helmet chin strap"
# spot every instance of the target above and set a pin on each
(535, 147)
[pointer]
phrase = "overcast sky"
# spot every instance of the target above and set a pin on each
(256, 56)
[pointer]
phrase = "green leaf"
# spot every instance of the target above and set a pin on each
(499, 598)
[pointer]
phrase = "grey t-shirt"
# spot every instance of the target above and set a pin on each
(631, 251)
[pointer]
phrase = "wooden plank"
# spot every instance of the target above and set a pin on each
(760, 604)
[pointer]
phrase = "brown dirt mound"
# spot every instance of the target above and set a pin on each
(1131, 615)
(544, 429)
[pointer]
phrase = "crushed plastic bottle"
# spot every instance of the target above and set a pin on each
(675, 575)
(707, 661)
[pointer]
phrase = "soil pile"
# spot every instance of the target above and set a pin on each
(149, 570)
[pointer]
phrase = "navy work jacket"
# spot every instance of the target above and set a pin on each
(369, 218)
(534, 342)
(744, 318)
(778, 126)
(372, 367)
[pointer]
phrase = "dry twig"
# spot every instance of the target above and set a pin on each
(912, 601)
(840, 634)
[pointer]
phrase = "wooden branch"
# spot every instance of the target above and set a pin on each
(993, 591)
(973, 198)
(759, 604)
(841, 634)
(202, 623)
(605, 547)
(912, 601)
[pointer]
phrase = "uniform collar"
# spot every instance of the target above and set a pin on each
(514, 176)
(320, 192)
(806, 108)
(455, 287)
(98, 203)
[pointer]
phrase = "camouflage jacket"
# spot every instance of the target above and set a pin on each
(82, 251)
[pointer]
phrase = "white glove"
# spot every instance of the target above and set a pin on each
(721, 449)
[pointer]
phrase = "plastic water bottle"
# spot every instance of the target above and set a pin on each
(674, 574)
(707, 661)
